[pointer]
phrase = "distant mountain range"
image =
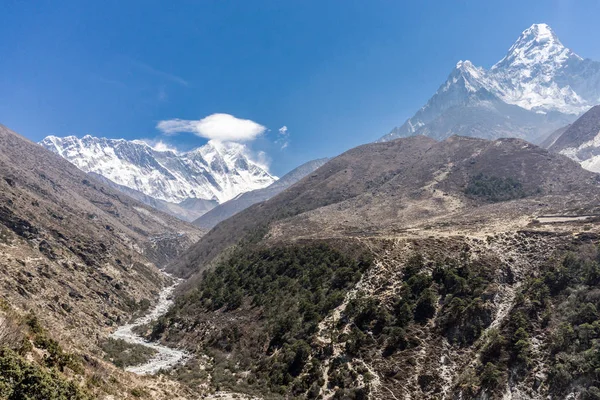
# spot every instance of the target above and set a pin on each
(185, 185)
(245, 200)
(215, 172)
(538, 87)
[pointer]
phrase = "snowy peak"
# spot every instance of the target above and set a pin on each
(466, 75)
(537, 74)
(537, 44)
(537, 87)
(216, 171)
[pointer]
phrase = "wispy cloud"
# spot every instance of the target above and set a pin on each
(159, 145)
(283, 139)
(220, 127)
(162, 94)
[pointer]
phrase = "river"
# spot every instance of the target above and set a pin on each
(166, 357)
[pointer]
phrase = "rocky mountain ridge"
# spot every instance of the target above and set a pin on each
(580, 141)
(77, 259)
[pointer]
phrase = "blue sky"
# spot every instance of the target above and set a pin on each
(336, 73)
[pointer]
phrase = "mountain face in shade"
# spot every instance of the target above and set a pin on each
(581, 141)
(187, 210)
(214, 172)
(537, 87)
(245, 200)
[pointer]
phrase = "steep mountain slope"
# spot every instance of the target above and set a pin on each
(551, 138)
(538, 87)
(406, 269)
(187, 210)
(220, 213)
(214, 172)
(581, 140)
(80, 255)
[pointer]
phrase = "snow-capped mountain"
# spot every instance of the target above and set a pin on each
(539, 86)
(216, 171)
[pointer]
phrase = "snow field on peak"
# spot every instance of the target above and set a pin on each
(215, 171)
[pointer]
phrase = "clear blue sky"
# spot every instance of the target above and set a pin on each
(336, 73)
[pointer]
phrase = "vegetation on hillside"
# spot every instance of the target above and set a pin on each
(495, 189)
(290, 289)
(23, 375)
(268, 319)
(124, 354)
(559, 308)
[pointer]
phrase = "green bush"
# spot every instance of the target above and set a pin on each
(491, 376)
(21, 379)
(426, 306)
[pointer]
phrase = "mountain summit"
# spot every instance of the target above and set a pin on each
(216, 171)
(537, 87)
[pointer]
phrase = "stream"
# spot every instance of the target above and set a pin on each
(165, 357)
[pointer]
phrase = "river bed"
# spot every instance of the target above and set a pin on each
(166, 357)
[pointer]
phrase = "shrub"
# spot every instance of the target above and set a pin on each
(20, 379)
(495, 189)
(491, 376)
(124, 354)
(426, 306)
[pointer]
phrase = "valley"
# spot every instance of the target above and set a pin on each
(456, 257)
(165, 357)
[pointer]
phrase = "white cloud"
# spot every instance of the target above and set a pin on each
(159, 145)
(220, 127)
(284, 137)
(260, 158)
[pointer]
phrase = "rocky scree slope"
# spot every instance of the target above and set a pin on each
(409, 269)
(538, 87)
(245, 200)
